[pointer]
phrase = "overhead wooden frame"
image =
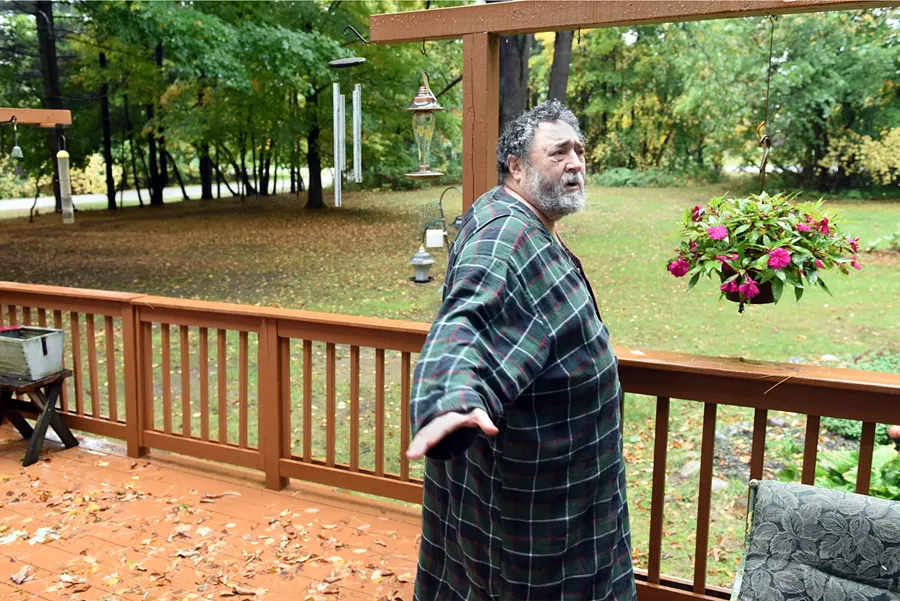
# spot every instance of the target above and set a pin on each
(480, 26)
(45, 118)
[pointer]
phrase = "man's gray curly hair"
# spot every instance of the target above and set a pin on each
(518, 136)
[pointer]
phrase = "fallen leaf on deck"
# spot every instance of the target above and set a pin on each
(237, 590)
(23, 575)
(329, 526)
(381, 542)
(183, 553)
(312, 510)
(405, 577)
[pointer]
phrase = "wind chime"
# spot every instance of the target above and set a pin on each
(339, 120)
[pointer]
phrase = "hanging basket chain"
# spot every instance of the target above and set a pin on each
(765, 141)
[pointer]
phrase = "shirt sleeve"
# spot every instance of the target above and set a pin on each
(487, 343)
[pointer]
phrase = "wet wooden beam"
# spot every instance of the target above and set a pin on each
(530, 16)
(42, 117)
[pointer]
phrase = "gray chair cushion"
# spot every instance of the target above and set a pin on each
(807, 543)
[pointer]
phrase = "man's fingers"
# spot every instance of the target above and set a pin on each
(443, 425)
(484, 422)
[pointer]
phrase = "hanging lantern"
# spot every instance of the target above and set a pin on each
(16, 150)
(423, 107)
(65, 187)
(421, 262)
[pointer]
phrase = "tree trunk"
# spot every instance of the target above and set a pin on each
(314, 200)
(46, 33)
(177, 175)
(206, 172)
(219, 177)
(514, 53)
(559, 72)
(163, 155)
(156, 187)
(275, 173)
(134, 170)
(107, 140)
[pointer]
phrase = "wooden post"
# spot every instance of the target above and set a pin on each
(132, 340)
(270, 403)
(481, 114)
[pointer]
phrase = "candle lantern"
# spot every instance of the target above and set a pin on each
(423, 107)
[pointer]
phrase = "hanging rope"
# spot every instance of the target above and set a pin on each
(765, 141)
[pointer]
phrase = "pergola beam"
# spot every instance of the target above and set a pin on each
(43, 117)
(530, 16)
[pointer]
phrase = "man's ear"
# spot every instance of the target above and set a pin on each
(516, 168)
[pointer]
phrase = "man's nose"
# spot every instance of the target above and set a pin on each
(574, 164)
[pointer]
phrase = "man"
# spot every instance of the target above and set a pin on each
(516, 397)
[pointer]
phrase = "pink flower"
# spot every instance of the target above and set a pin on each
(731, 286)
(823, 226)
(679, 268)
(693, 246)
(719, 232)
(819, 264)
(748, 289)
(724, 259)
(779, 258)
(855, 263)
(854, 244)
(697, 213)
(802, 227)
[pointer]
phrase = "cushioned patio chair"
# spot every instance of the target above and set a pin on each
(817, 544)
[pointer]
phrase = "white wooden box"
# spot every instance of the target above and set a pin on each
(30, 353)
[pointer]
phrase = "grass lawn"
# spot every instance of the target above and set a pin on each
(353, 260)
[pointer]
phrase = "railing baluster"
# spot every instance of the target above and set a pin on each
(658, 494)
(866, 449)
(330, 407)
(379, 412)
(354, 408)
(26, 316)
(404, 414)
(166, 377)
(92, 364)
(11, 314)
(284, 392)
(222, 378)
(42, 318)
(64, 397)
(76, 363)
(184, 344)
(111, 394)
(810, 448)
(701, 553)
(204, 384)
(149, 408)
(244, 387)
(758, 450)
(307, 400)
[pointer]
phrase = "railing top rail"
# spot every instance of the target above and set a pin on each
(746, 369)
(311, 317)
(59, 292)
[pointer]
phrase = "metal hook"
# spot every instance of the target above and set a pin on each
(353, 29)
(63, 138)
(423, 49)
(11, 120)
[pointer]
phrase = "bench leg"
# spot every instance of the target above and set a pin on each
(56, 420)
(37, 439)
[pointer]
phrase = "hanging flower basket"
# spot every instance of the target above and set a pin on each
(756, 245)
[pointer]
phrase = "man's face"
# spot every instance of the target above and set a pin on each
(555, 177)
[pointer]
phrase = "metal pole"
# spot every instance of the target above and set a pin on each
(335, 115)
(357, 133)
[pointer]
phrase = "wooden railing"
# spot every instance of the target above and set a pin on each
(325, 398)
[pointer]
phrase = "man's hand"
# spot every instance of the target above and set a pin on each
(443, 425)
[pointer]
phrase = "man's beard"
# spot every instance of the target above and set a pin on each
(551, 197)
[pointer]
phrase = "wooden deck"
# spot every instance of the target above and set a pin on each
(91, 523)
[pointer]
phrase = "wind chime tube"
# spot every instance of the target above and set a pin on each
(357, 133)
(335, 104)
(65, 187)
(343, 118)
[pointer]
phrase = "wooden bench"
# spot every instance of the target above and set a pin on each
(43, 395)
